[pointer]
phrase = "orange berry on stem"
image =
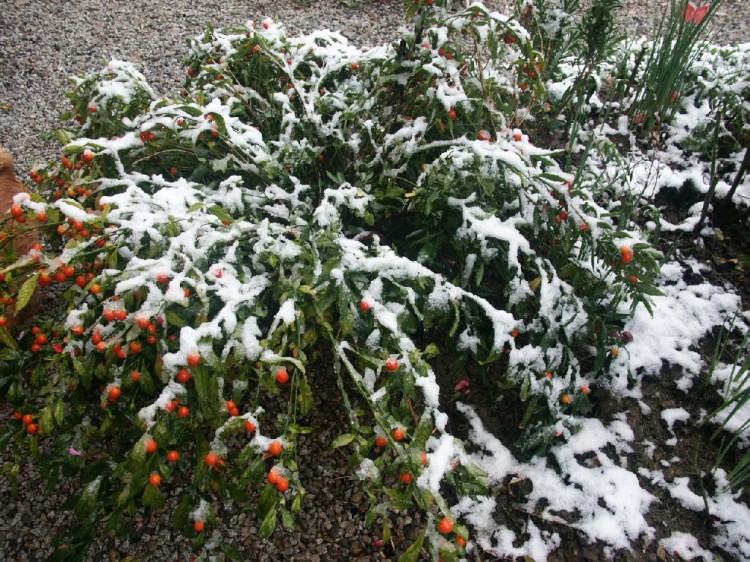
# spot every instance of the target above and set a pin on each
(173, 456)
(275, 448)
(273, 476)
(155, 479)
(282, 376)
(211, 459)
(445, 525)
(151, 446)
(283, 484)
(114, 393)
(399, 434)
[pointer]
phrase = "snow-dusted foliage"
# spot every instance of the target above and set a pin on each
(384, 208)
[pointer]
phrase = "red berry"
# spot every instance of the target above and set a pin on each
(211, 459)
(32, 428)
(282, 376)
(135, 376)
(452, 113)
(381, 442)
(364, 306)
(250, 426)
(282, 485)
(445, 526)
(114, 393)
(173, 456)
(484, 135)
(151, 446)
(391, 364)
(194, 359)
(199, 526)
(183, 411)
(274, 448)
(155, 479)
(399, 434)
(273, 476)
(406, 478)
(183, 376)
(27, 419)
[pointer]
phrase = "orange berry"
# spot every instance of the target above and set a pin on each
(212, 459)
(406, 478)
(614, 351)
(199, 526)
(173, 456)
(445, 526)
(275, 448)
(183, 411)
(155, 479)
(565, 399)
(151, 446)
(194, 359)
(183, 376)
(114, 393)
(135, 376)
(32, 428)
(27, 419)
(250, 426)
(391, 364)
(381, 442)
(273, 476)
(399, 434)
(282, 376)
(282, 485)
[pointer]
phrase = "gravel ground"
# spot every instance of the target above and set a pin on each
(41, 44)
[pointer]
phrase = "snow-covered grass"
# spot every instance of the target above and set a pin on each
(395, 207)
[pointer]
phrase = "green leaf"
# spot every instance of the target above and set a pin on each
(26, 292)
(7, 339)
(175, 319)
(412, 553)
(181, 515)
(342, 440)
(231, 552)
(221, 213)
(269, 524)
(287, 518)
(87, 502)
(305, 396)
(152, 497)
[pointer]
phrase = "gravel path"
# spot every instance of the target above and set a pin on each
(41, 44)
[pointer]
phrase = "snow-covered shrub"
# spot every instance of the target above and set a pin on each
(301, 194)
